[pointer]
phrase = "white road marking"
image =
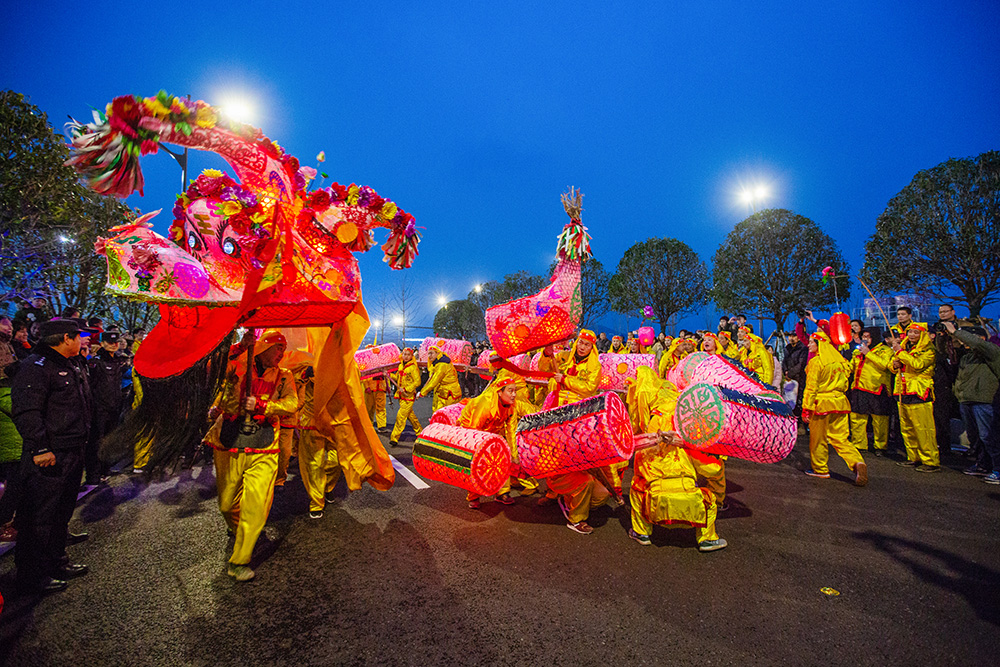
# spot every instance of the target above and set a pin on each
(408, 474)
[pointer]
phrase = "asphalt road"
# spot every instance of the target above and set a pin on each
(414, 577)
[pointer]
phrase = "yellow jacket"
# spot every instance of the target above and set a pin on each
(671, 357)
(871, 372)
(276, 398)
(665, 482)
(375, 384)
(827, 378)
(407, 378)
(485, 413)
(916, 377)
(580, 379)
(443, 380)
(758, 359)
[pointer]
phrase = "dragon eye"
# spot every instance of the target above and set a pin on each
(231, 248)
(192, 242)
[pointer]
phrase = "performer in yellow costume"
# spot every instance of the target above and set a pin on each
(825, 409)
(140, 458)
(710, 343)
(407, 381)
(375, 389)
(319, 464)
(546, 363)
(913, 365)
(494, 411)
(443, 380)
(664, 488)
(755, 356)
(869, 395)
(727, 347)
(679, 348)
(245, 477)
(577, 379)
(522, 407)
(617, 346)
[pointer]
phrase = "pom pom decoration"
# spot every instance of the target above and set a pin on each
(373, 361)
(574, 241)
(840, 329)
(476, 461)
(591, 433)
(649, 313)
(724, 421)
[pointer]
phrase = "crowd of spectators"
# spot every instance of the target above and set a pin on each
(65, 382)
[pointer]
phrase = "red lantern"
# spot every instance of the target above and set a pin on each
(840, 329)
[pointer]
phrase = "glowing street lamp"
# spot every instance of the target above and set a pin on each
(754, 194)
(398, 320)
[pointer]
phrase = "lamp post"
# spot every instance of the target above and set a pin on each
(400, 322)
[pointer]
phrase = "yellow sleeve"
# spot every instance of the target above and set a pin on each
(918, 361)
(812, 379)
(586, 383)
(285, 400)
(437, 373)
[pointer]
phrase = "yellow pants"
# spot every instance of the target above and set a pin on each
(701, 533)
(285, 442)
(614, 472)
(580, 493)
(441, 401)
(318, 466)
(405, 412)
(916, 421)
(859, 430)
(831, 430)
(140, 457)
(375, 403)
(246, 489)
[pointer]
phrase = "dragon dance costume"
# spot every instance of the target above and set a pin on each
(664, 487)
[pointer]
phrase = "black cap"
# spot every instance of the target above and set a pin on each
(85, 329)
(110, 336)
(58, 325)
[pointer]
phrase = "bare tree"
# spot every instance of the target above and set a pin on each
(403, 299)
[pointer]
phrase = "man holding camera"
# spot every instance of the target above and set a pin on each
(975, 387)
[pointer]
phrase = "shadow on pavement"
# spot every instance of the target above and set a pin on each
(979, 585)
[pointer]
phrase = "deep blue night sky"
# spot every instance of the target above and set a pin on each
(476, 116)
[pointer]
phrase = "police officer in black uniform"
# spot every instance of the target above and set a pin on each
(52, 409)
(107, 369)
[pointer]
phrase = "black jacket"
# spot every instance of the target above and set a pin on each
(106, 373)
(978, 370)
(51, 402)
